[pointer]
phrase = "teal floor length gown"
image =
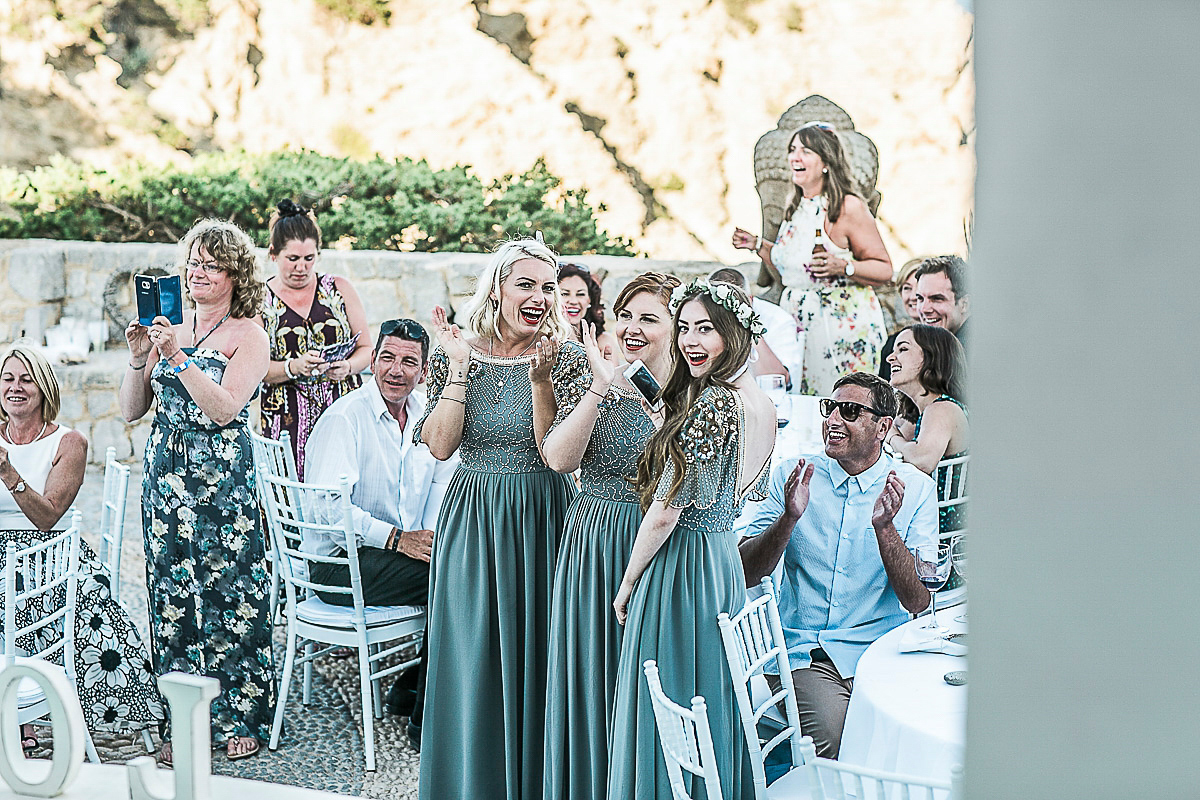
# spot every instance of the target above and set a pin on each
(585, 637)
(206, 560)
(489, 586)
(672, 615)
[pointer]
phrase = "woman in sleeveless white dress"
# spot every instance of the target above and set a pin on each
(828, 292)
(41, 470)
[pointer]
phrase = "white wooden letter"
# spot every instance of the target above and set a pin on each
(36, 777)
(190, 698)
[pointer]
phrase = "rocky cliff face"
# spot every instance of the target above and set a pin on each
(654, 107)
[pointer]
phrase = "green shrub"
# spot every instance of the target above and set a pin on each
(379, 204)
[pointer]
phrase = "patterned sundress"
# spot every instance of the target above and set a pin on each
(842, 321)
(206, 566)
(585, 637)
(296, 405)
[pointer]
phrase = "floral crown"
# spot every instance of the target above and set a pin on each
(724, 295)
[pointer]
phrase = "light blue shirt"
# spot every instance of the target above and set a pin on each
(834, 593)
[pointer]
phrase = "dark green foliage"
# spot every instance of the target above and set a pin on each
(371, 205)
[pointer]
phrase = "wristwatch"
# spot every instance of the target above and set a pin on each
(20, 487)
(849, 269)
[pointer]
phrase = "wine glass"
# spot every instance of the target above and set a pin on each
(934, 574)
(958, 557)
(775, 387)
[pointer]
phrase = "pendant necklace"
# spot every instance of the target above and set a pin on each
(11, 440)
(500, 386)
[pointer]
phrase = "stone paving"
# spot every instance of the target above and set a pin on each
(321, 746)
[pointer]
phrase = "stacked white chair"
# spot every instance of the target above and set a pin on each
(112, 519)
(753, 640)
(377, 632)
(42, 568)
(685, 737)
(273, 457)
(833, 780)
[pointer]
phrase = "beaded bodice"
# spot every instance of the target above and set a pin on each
(609, 463)
(498, 408)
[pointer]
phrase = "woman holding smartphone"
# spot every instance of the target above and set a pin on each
(601, 433)
(206, 562)
(307, 315)
(711, 454)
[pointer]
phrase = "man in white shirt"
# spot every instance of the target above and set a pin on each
(781, 351)
(397, 486)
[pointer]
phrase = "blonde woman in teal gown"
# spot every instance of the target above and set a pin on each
(602, 436)
(497, 537)
(712, 453)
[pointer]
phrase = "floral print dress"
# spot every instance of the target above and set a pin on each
(295, 405)
(206, 567)
(842, 321)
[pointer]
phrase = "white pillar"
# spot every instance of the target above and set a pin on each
(1085, 403)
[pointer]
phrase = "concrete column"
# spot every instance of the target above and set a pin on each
(1085, 659)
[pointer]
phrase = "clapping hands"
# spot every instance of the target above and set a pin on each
(450, 338)
(888, 502)
(603, 363)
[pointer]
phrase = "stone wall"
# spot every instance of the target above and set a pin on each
(46, 281)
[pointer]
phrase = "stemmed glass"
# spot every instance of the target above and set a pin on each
(934, 575)
(958, 557)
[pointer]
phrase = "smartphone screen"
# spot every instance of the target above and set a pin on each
(170, 298)
(640, 378)
(147, 298)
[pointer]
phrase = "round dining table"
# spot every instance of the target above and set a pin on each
(903, 716)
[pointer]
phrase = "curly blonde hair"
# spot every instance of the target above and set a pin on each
(233, 250)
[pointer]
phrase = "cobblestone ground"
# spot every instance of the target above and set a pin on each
(321, 746)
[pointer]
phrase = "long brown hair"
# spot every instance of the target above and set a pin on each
(839, 181)
(682, 390)
(943, 368)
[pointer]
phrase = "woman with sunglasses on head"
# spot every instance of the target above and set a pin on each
(711, 454)
(601, 434)
(829, 255)
(581, 304)
(306, 312)
(206, 564)
(497, 536)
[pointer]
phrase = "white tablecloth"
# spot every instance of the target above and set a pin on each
(903, 716)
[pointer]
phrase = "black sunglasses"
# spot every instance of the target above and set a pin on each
(847, 409)
(404, 329)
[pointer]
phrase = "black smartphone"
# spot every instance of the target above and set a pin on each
(158, 297)
(640, 378)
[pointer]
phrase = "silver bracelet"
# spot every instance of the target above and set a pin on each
(287, 369)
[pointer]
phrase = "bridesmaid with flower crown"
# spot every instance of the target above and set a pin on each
(711, 454)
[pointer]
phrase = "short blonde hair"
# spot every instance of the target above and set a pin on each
(233, 250)
(482, 312)
(43, 377)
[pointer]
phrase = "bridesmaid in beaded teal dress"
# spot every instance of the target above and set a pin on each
(712, 453)
(497, 537)
(206, 569)
(602, 435)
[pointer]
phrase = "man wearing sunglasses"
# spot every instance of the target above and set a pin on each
(396, 486)
(846, 524)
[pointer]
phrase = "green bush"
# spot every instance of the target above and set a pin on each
(379, 204)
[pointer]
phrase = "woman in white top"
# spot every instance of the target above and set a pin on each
(829, 254)
(41, 466)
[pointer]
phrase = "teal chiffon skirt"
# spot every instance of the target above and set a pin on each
(489, 619)
(585, 641)
(673, 619)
